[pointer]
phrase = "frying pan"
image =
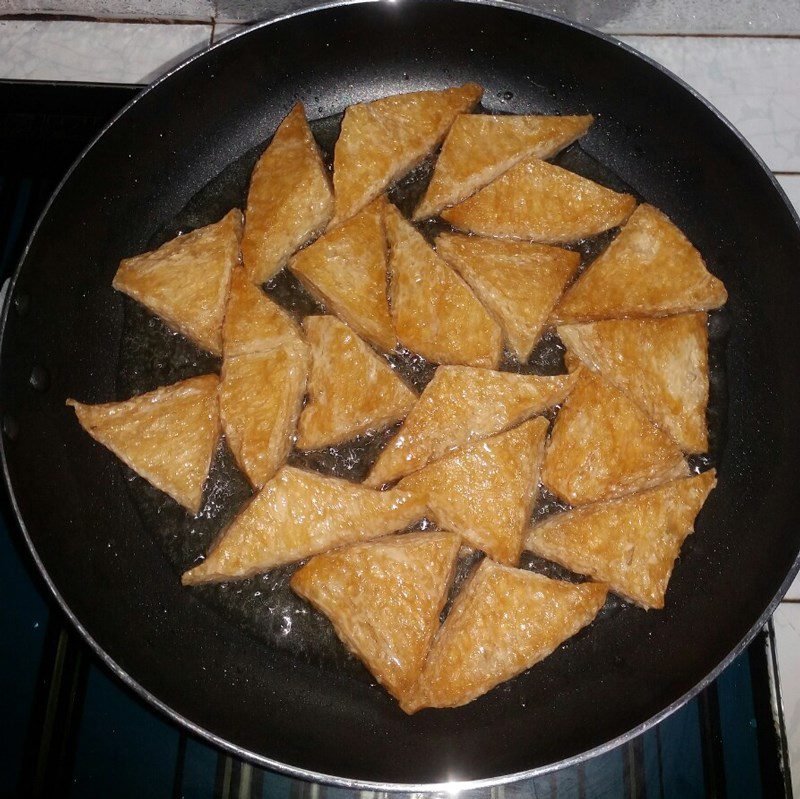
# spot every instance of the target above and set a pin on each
(299, 707)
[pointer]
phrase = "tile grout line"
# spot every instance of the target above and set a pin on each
(107, 20)
(674, 35)
(214, 19)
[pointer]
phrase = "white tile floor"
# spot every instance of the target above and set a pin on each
(753, 80)
(105, 52)
(787, 641)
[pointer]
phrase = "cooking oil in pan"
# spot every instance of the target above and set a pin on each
(151, 355)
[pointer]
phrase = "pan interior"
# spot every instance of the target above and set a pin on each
(151, 355)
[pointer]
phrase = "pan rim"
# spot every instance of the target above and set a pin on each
(285, 768)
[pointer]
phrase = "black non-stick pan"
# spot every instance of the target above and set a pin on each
(242, 664)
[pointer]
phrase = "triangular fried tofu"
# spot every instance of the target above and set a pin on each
(346, 270)
(503, 621)
(382, 140)
(298, 514)
(384, 599)
(435, 312)
(650, 269)
(351, 389)
(517, 281)
(485, 491)
(253, 322)
(662, 364)
(290, 198)
(630, 543)
(603, 445)
(480, 147)
(539, 201)
(166, 436)
(461, 405)
(186, 280)
(260, 399)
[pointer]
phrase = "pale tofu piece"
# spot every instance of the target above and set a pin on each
(260, 399)
(603, 445)
(542, 202)
(298, 514)
(166, 436)
(630, 543)
(186, 280)
(462, 405)
(290, 199)
(384, 599)
(650, 269)
(485, 492)
(351, 389)
(662, 364)
(382, 140)
(435, 312)
(253, 322)
(503, 621)
(346, 270)
(481, 147)
(518, 282)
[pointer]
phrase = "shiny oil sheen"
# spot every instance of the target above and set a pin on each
(152, 355)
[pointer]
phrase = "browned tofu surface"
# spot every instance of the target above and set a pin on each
(298, 514)
(630, 543)
(166, 436)
(186, 280)
(435, 312)
(351, 389)
(541, 202)
(290, 198)
(253, 322)
(346, 270)
(382, 140)
(603, 445)
(481, 147)
(650, 269)
(662, 364)
(384, 599)
(518, 282)
(260, 398)
(503, 621)
(462, 405)
(485, 491)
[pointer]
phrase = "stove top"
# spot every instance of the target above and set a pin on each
(71, 729)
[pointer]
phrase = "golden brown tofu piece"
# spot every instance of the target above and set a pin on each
(503, 621)
(351, 389)
(435, 312)
(260, 399)
(481, 147)
(186, 280)
(346, 270)
(662, 364)
(650, 269)
(518, 282)
(603, 445)
(298, 514)
(382, 140)
(630, 543)
(485, 491)
(542, 202)
(166, 436)
(253, 322)
(462, 405)
(384, 599)
(290, 198)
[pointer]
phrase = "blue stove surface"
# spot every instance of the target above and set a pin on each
(72, 729)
